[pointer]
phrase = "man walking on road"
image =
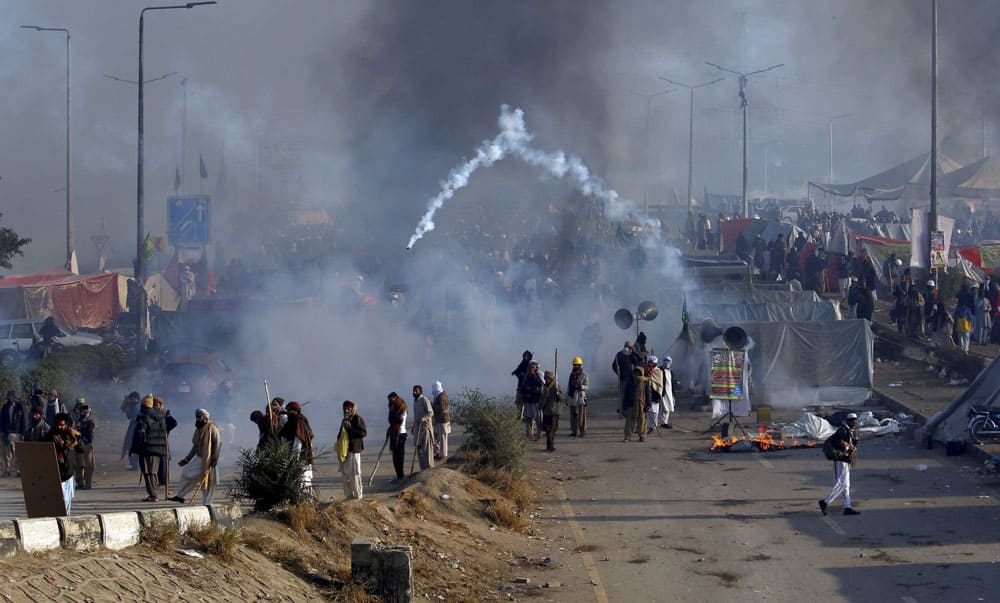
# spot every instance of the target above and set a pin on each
(203, 473)
(552, 401)
(533, 385)
(622, 366)
(842, 449)
(576, 391)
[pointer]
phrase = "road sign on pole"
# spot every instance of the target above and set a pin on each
(189, 219)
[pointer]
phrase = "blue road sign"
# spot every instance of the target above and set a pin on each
(189, 219)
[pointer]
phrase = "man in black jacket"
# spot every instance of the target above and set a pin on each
(622, 366)
(520, 372)
(150, 442)
(13, 422)
(842, 449)
(533, 385)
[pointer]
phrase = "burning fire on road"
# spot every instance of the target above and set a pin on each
(763, 441)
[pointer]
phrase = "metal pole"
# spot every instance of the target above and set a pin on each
(746, 204)
(831, 152)
(140, 268)
(69, 167)
(645, 186)
(140, 262)
(184, 112)
(933, 222)
(690, 145)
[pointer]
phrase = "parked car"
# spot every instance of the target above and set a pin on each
(189, 380)
(17, 337)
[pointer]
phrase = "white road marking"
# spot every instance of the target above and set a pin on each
(833, 526)
(765, 462)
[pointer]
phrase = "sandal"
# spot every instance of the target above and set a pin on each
(151, 499)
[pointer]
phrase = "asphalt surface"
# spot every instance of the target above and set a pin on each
(669, 520)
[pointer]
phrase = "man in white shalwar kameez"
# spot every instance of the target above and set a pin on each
(200, 466)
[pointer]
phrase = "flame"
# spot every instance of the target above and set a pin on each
(763, 441)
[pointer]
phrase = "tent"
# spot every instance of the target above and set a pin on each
(951, 423)
(796, 364)
(90, 302)
(893, 182)
(979, 180)
(767, 229)
(762, 311)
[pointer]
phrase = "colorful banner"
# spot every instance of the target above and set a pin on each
(727, 374)
(938, 258)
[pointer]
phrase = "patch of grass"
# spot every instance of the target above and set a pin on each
(163, 538)
(514, 486)
(300, 516)
(502, 513)
(415, 502)
(215, 541)
(355, 593)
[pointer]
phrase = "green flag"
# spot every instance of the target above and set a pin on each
(147, 247)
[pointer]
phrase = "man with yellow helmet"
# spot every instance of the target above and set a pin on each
(576, 397)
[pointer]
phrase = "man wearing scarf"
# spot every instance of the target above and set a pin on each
(423, 427)
(654, 393)
(576, 391)
(68, 444)
(667, 404)
(149, 442)
(442, 420)
(552, 402)
(635, 416)
(355, 430)
(85, 425)
(519, 372)
(299, 434)
(206, 444)
(13, 423)
(397, 433)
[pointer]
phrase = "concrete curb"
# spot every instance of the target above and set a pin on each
(80, 533)
(39, 534)
(111, 531)
(120, 530)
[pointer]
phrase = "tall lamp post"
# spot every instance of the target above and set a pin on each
(743, 77)
(933, 218)
(648, 96)
(69, 155)
(691, 89)
(140, 261)
(830, 121)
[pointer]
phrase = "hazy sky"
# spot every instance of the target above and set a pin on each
(384, 97)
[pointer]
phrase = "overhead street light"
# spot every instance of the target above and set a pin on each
(743, 77)
(648, 96)
(69, 153)
(140, 262)
(691, 88)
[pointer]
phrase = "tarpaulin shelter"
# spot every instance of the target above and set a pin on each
(767, 229)
(985, 256)
(761, 296)
(764, 311)
(90, 302)
(796, 364)
(894, 182)
(979, 180)
(984, 392)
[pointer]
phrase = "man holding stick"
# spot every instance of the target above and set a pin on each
(203, 474)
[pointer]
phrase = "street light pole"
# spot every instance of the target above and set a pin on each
(184, 112)
(933, 221)
(691, 89)
(140, 267)
(831, 120)
(645, 192)
(69, 153)
(743, 79)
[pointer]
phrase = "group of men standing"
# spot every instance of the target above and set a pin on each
(645, 389)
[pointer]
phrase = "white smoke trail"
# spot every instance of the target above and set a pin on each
(513, 139)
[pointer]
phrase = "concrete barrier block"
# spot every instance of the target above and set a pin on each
(192, 517)
(38, 534)
(227, 516)
(120, 530)
(387, 571)
(157, 518)
(8, 539)
(80, 532)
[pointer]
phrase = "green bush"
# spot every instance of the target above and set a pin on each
(70, 369)
(270, 476)
(493, 430)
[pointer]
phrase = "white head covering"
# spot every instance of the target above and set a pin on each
(667, 361)
(652, 359)
(437, 388)
(201, 412)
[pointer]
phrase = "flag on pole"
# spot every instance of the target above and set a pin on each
(202, 170)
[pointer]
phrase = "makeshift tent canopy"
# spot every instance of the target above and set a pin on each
(951, 423)
(980, 180)
(796, 364)
(797, 311)
(760, 296)
(90, 302)
(891, 184)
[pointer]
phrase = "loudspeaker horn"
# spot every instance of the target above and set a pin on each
(623, 318)
(647, 311)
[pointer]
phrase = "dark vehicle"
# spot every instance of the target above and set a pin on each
(189, 380)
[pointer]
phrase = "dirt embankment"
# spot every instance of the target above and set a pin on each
(459, 553)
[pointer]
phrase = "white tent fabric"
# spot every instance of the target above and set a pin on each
(951, 423)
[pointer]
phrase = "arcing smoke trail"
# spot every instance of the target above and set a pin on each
(513, 139)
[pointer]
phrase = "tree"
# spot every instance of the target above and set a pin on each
(10, 245)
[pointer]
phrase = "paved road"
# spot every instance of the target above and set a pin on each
(669, 520)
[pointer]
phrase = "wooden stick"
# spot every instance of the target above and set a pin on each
(378, 461)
